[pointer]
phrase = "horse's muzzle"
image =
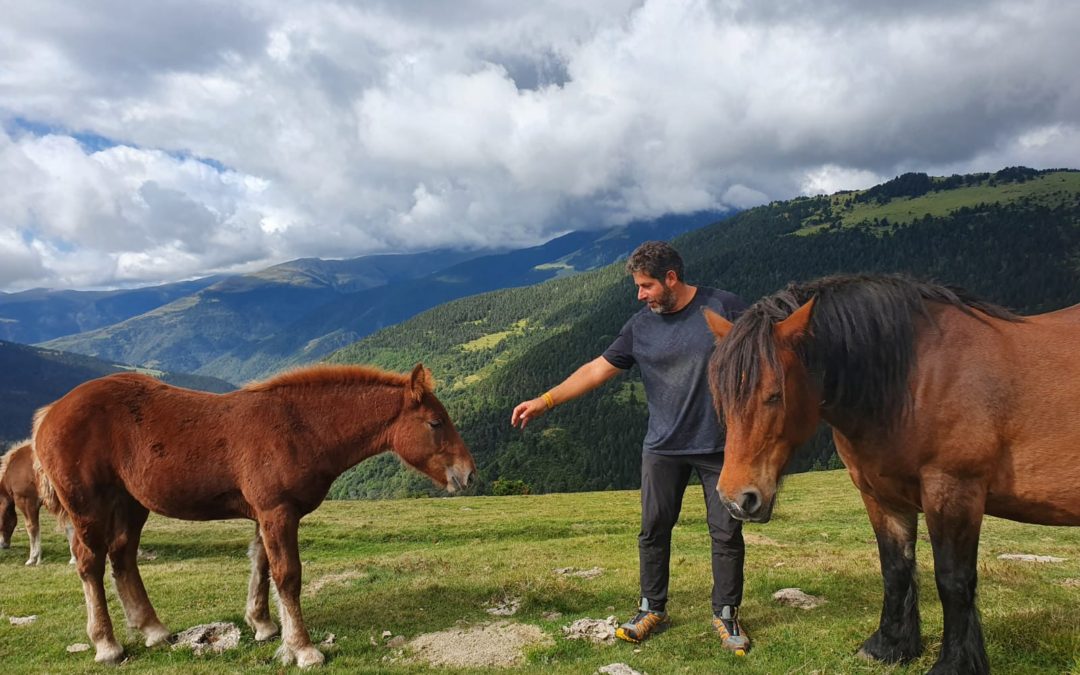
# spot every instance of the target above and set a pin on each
(749, 506)
(457, 480)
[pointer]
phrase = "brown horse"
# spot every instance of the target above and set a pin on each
(939, 403)
(116, 448)
(18, 487)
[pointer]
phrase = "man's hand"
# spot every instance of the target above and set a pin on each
(527, 410)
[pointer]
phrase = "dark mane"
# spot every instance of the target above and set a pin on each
(861, 345)
(329, 374)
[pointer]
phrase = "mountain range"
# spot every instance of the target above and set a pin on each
(247, 327)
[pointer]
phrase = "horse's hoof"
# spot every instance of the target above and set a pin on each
(865, 655)
(33, 561)
(309, 657)
(157, 635)
(263, 629)
(109, 653)
(265, 633)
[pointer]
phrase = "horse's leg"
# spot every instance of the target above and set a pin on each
(8, 520)
(88, 544)
(123, 553)
(954, 513)
(257, 614)
(31, 511)
(69, 532)
(279, 535)
(897, 638)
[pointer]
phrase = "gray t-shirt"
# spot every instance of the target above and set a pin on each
(673, 352)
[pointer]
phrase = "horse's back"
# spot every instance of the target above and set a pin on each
(1014, 388)
(1064, 315)
(175, 451)
(17, 473)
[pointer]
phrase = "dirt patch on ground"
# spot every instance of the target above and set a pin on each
(581, 574)
(322, 582)
(495, 645)
(760, 540)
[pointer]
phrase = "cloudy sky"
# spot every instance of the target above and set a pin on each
(143, 142)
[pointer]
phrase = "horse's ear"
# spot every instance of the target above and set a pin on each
(719, 326)
(420, 382)
(796, 325)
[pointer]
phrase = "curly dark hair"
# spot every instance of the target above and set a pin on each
(655, 258)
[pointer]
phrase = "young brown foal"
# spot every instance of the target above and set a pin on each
(116, 448)
(18, 488)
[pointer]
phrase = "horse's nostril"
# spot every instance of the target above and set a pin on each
(750, 501)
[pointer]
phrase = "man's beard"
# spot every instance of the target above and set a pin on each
(666, 303)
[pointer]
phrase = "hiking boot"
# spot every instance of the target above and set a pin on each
(731, 632)
(646, 623)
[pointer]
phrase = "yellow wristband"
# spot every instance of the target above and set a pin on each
(548, 400)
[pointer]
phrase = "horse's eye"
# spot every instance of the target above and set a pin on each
(775, 397)
(434, 424)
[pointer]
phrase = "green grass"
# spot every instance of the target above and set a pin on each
(417, 566)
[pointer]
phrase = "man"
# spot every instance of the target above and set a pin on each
(671, 343)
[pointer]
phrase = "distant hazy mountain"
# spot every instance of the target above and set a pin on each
(247, 327)
(41, 314)
(31, 377)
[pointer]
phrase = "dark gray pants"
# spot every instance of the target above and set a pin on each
(663, 483)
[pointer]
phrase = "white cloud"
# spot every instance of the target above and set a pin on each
(338, 129)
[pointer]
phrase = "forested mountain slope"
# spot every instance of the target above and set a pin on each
(1012, 237)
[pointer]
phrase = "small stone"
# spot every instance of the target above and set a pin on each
(794, 597)
(211, 637)
(77, 647)
(22, 620)
(329, 639)
(617, 669)
(386, 634)
(551, 616)
(593, 630)
(397, 642)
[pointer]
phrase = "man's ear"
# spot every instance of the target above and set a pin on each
(670, 278)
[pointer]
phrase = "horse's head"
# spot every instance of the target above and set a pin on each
(768, 402)
(425, 438)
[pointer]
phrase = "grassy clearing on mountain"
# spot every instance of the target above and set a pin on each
(412, 568)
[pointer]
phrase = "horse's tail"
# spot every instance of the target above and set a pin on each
(46, 493)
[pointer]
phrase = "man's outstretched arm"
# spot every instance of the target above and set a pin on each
(581, 381)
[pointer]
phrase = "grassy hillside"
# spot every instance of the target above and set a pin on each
(418, 566)
(1012, 237)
